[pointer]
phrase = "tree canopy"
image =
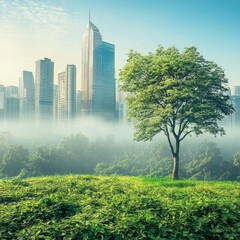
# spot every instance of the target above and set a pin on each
(177, 93)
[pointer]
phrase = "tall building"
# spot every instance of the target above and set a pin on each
(9, 103)
(67, 94)
(78, 102)
(2, 101)
(55, 102)
(12, 91)
(123, 107)
(71, 91)
(227, 121)
(44, 89)
(26, 94)
(62, 97)
(236, 115)
(236, 91)
(11, 108)
(97, 80)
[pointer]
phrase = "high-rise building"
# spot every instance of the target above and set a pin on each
(44, 89)
(11, 108)
(55, 102)
(2, 101)
(71, 91)
(78, 102)
(227, 121)
(12, 91)
(236, 91)
(26, 94)
(236, 115)
(67, 94)
(97, 80)
(236, 104)
(9, 103)
(123, 107)
(62, 97)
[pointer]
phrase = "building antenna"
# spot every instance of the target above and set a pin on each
(89, 16)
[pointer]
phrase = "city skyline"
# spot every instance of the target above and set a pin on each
(33, 30)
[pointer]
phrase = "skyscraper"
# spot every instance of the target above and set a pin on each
(236, 115)
(236, 91)
(55, 102)
(26, 94)
(78, 102)
(97, 82)
(2, 101)
(44, 89)
(71, 91)
(12, 91)
(11, 108)
(67, 94)
(62, 97)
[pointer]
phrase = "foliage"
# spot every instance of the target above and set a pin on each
(175, 93)
(105, 156)
(236, 160)
(5, 143)
(14, 160)
(207, 163)
(90, 207)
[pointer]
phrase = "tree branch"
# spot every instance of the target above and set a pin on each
(169, 140)
(157, 101)
(183, 127)
(185, 135)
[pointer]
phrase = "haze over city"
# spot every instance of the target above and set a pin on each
(32, 30)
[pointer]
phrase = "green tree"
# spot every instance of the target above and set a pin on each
(46, 161)
(175, 93)
(208, 163)
(236, 160)
(14, 160)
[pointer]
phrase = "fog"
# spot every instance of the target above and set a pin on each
(94, 146)
(48, 132)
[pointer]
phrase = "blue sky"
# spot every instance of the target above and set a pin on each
(31, 30)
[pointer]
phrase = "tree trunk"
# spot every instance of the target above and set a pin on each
(175, 166)
(176, 161)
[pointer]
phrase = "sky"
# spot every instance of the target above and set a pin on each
(31, 30)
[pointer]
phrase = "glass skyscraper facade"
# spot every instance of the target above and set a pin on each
(2, 101)
(26, 95)
(44, 89)
(67, 94)
(71, 91)
(62, 97)
(97, 82)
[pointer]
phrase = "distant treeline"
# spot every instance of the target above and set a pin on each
(106, 156)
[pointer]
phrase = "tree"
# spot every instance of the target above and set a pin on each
(175, 93)
(208, 163)
(45, 161)
(14, 160)
(236, 160)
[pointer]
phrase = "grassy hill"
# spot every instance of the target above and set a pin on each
(91, 207)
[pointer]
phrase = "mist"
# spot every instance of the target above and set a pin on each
(50, 131)
(94, 146)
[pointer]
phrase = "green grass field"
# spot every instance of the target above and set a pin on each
(91, 207)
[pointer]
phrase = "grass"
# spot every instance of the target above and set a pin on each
(92, 207)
